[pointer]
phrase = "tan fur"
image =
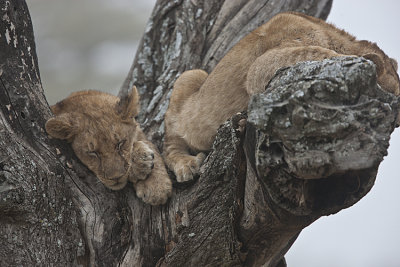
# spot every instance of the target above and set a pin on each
(199, 104)
(107, 139)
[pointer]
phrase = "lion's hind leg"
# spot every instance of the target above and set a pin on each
(176, 150)
(188, 83)
(264, 67)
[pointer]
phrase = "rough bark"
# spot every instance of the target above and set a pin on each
(314, 142)
(38, 221)
(257, 189)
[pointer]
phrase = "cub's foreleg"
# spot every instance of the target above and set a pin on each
(142, 160)
(157, 187)
(264, 67)
(176, 151)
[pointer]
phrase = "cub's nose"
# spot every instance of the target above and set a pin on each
(114, 168)
(115, 173)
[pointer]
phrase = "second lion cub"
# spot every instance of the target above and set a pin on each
(200, 103)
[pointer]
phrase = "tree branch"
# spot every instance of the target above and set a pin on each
(37, 219)
(314, 141)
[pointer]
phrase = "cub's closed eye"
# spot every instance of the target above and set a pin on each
(93, 154)
(120, 145)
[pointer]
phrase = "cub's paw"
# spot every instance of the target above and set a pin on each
(187, 167)
(142, 160)
(154, 191)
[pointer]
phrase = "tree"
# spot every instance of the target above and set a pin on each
(254, 194)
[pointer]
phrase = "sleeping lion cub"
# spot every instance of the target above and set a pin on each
(200, 103)
(107, 139)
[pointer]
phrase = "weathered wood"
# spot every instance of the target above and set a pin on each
(314, 140)
(38, 220)
(321, 120)
(239, 212)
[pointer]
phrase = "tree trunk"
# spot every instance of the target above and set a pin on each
(259, 186)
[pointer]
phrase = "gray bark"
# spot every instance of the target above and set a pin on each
(38, 221)
(257, 189)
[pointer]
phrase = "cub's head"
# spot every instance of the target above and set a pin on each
(386, 70)
(101, 129)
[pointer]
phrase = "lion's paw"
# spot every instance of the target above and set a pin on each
(188, 166)
(143, 160)
(154, 191)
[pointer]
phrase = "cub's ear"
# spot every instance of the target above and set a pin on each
(394, 63)
(128, 106)
(380, 65)
(61, 127)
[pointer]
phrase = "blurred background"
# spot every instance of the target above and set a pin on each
(86, 44)
(90, 44)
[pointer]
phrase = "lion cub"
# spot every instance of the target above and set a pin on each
(200, 103)
(107, 139)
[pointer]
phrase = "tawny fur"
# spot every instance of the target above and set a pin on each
(107, 139)
(200, 103)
